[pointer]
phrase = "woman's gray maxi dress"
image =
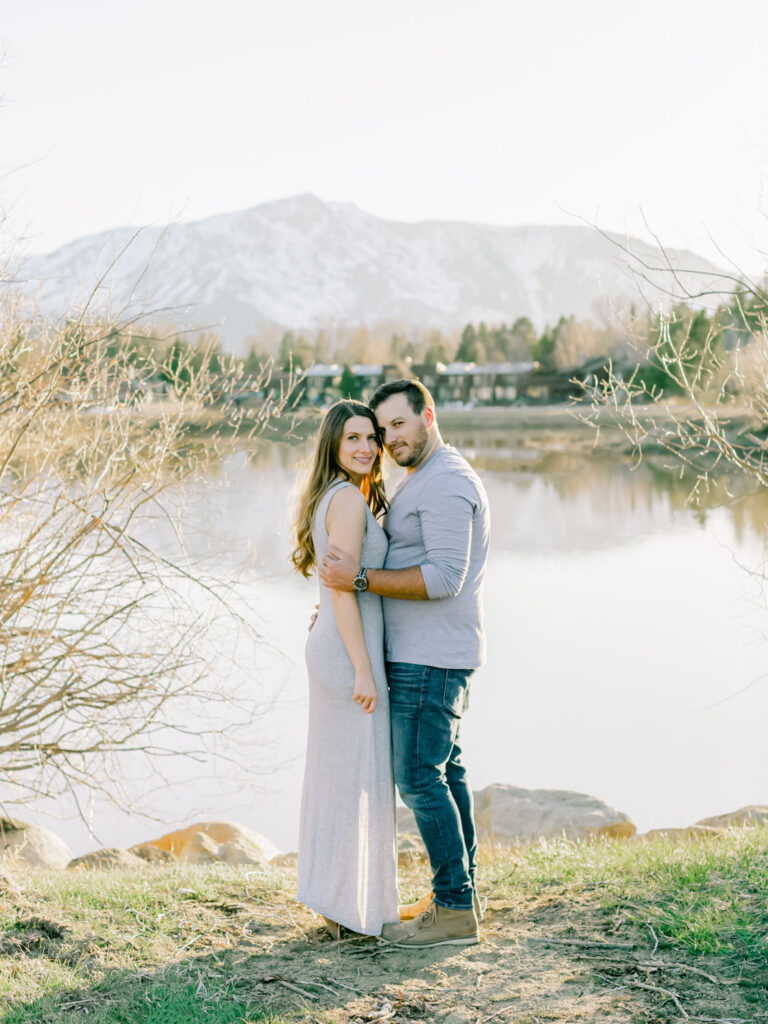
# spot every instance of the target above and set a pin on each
(347, 846)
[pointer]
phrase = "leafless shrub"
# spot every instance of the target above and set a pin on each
(698, 390)
(112, 644)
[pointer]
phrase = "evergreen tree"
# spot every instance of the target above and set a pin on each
(285, 351)
(255, 361)
(484, 344)
(684, 342)
(522, 340)
(544, 349)
(470, 349)
(436, 352)
(500, 344)
(176, 367)
(409, 352)
(467, 344)
(208, 352)
(350, 386)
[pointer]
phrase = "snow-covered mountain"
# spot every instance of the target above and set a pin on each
(305, 263)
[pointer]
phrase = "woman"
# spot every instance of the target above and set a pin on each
(347, 858)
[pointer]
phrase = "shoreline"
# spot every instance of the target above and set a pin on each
(560, 417)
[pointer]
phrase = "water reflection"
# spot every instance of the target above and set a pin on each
(619, 624)
(541, 499)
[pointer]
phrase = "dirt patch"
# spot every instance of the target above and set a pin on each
(573, 950)
(547, 959)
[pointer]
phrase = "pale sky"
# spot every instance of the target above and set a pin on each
(498, 111)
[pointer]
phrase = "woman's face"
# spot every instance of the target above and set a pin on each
(358, 447)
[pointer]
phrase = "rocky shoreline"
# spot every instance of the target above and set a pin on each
(507, 816)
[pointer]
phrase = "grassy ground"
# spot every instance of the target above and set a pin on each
(601, 931)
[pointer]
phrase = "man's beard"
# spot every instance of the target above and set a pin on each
(413, 455)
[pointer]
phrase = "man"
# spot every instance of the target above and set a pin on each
(438, 528)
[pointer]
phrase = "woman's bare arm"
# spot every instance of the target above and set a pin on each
(346, 524)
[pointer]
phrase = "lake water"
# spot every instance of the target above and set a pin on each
(626, 641)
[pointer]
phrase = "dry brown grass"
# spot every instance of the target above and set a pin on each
(621, 931)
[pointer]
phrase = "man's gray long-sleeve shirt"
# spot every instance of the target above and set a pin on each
(438, 519)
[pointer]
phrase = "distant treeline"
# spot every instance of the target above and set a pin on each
(734, 332)
(632, 340)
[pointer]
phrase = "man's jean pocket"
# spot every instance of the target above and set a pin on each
(456, 693)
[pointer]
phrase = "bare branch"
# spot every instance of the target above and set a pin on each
(112, 645)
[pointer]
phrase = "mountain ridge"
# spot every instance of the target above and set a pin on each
(302, 263)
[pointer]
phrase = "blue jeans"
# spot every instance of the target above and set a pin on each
(426, 705)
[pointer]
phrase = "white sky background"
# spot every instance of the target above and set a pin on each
(484, 110)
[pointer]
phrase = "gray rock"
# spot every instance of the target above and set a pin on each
(511, 816)
(33, 845)
(682, 834)
(241, 851)
(200, 849)
(211, 842)
(285, 860)
(108, 858)
(153, 854)
(754, 814)
(410, 847)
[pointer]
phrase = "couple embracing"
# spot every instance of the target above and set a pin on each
(397, 639)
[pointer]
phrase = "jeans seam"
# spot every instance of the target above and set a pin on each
(422, 704)
(441, 833)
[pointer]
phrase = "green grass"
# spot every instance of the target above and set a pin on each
(125, 947)
(181, 944)
(709, 896)
(170, 1002)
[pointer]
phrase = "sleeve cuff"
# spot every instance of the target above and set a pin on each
(432, 582)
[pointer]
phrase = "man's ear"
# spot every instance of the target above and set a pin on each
(429, 415)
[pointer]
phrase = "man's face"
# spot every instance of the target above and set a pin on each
(405, 433)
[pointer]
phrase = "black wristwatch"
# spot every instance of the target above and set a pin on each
(360, 582)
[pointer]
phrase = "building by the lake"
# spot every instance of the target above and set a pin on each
(452, 384)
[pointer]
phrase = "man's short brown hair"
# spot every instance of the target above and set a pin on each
(418, 396)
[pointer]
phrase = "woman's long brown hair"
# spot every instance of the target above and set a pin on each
(324, 470)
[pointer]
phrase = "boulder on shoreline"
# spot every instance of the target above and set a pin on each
(108, 858)
(410, 846)
(33, 845)
(211, 842)
(152, 854)
(685, 833)
(511, 816)
(711, 828)
(285, 860)
(753, 814)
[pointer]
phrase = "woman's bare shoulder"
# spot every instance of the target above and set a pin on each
(346, 514)
(347, 499)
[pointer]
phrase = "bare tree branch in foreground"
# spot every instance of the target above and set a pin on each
(699, 389)
(111, 645)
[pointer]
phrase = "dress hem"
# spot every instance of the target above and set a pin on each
(327, 912)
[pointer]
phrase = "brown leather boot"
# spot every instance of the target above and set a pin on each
(437, 926)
